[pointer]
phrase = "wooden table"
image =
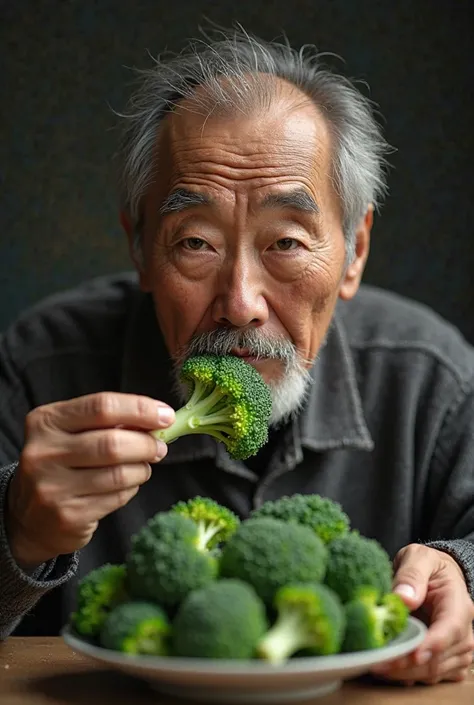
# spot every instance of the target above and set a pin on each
(44, 671)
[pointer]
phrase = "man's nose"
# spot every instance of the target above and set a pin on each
(240, 300)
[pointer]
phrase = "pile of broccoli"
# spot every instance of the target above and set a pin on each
(228, 399)
(292, 579)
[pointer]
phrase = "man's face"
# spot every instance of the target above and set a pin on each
(243, 230)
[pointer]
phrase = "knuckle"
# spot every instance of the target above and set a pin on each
(31, 422)
(32, 456)
(110, 446)
(119, 475)
(41, 417)
(103, 406)
(36, 454)
(143, 407)
(466, 659)
(67, 520)
(46, 495)
(28, 458)
(409, 552)
(124, 496)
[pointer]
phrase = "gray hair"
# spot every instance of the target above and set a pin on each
(232, 69)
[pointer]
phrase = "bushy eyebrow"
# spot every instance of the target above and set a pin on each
(299, 200)
(182, 199)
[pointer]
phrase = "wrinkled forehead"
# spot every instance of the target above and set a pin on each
(286, 135)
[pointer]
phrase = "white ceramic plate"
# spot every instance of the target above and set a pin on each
(253, 682)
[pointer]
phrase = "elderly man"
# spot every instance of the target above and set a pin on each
(250, 179)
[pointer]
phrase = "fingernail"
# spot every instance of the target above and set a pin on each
(161, 450)
(424, 657)
(165, 415)
(405, 591)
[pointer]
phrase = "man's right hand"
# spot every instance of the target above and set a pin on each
(82, 460)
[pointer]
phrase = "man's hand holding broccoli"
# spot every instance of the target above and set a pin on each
(82, 459)
(87, 457)
(433, 586)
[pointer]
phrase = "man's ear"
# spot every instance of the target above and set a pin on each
(355, 268)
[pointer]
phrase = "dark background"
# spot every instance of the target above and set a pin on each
(63, 63)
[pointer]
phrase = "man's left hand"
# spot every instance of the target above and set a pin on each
(432, 585)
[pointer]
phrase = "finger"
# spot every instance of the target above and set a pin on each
(451, 622)
(416, 658)
(117, 446)
(93, 481)
(414, 566)
(96, 507)
(433, 670)
(103, 410)
(457, 675)
(446, 669)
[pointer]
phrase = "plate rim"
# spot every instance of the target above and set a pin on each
(228, 667)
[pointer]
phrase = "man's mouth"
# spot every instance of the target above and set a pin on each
(245, 354)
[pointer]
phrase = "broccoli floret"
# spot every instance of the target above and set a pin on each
(136, 628)
(310, 618)
(268, 554)
(223, 620)
(373, 622)
(229, 400)
(216, 523)
(165, 562)
(97, 594)
(321, 514)
(356, 561)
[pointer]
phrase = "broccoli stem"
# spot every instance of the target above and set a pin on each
(283, 639)
(193, 417)
(205, 533)
(382, 616)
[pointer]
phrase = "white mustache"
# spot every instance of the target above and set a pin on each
(223, 340)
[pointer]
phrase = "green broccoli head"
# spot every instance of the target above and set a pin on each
(215, 523)
(268, 554)
(356, 561)
(165, 562)
(223, 620)
(373, 622)
(136, 628)
(229, 400)
(97, 594)
(321, 514)
(310, 618)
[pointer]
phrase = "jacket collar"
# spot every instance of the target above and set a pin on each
(331, 418)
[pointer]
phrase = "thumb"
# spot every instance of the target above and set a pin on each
(413, 571)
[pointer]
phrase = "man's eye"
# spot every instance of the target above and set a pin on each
(194, 243)
(286, 243)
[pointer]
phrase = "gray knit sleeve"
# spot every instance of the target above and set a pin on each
(463, 553)
(20, 591)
